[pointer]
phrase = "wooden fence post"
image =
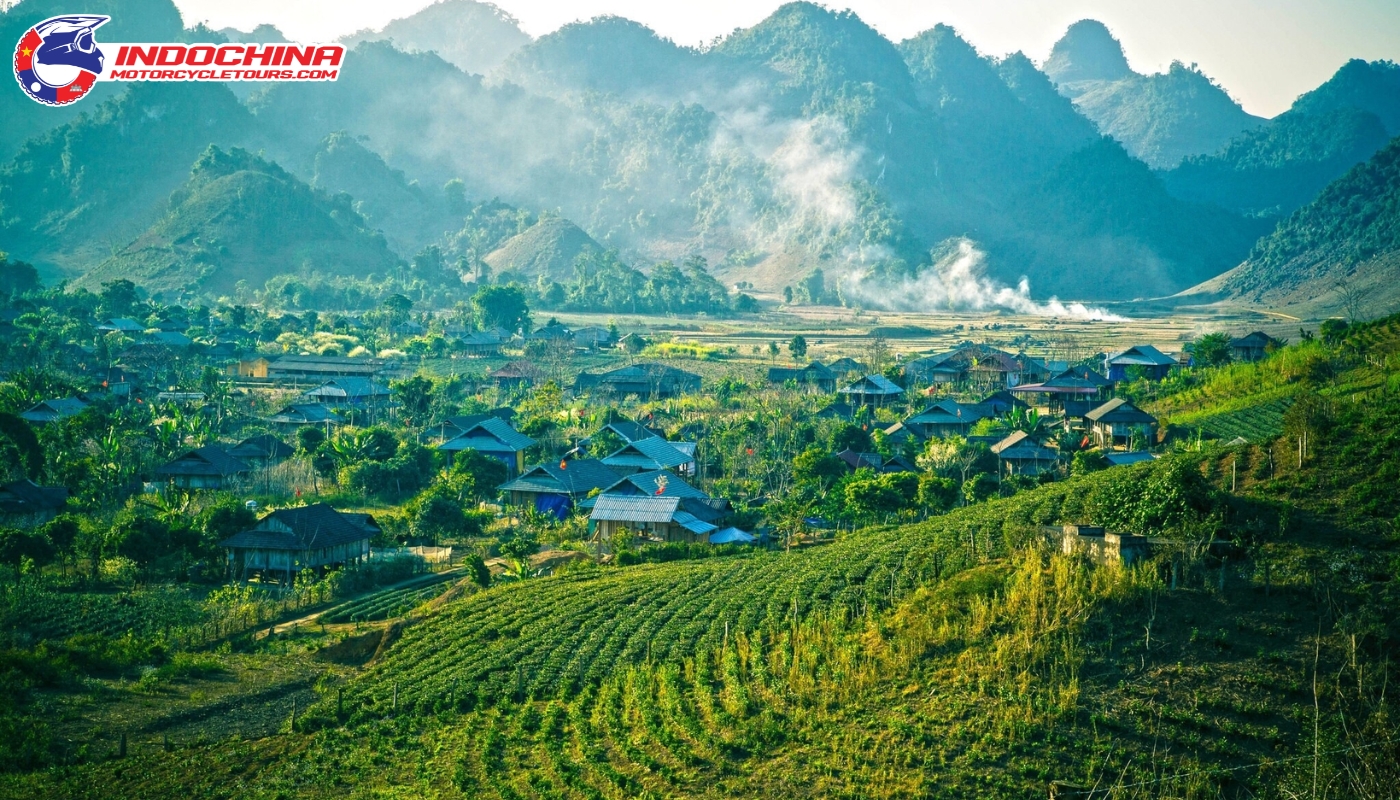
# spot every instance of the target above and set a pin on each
(121, 747)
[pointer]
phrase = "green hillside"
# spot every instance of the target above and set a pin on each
(952, 658)
(73, 195)
(548, 248)
(1281, 166)
(1338, 254)
(241, 219)
(132, 21)
(410, 216)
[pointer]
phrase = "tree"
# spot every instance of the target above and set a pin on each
(17, 545)
(812, 289)
(502, 306)
(415, 396)
(817, 467)
(952, 456)
(1211, 350)
(438, 516)
(937, 494)
(396, 308)
(798, 347)
(1332, 331)
(787, 295)
(477, 570)
(978, 488)
(486, 473)
(16, 277)
(119, 297)
(772, 349)
(309, 438)
(852, 437)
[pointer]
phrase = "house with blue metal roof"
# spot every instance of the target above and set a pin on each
(1145, 359)
(652, 454)
(656, 518)
(558, 488)
(872, 390)
(494, 437)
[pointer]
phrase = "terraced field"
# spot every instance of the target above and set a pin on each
(1256, 424)
(547, 638)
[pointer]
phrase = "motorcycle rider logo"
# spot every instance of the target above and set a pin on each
(57, 61)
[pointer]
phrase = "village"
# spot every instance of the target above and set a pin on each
(456, 438)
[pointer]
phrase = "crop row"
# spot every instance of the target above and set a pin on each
(1257, 424)
(36, 612)
(557, 636)
(386, 605)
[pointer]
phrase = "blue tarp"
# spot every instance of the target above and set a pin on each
(556, 504)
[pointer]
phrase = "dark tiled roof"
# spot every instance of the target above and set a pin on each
(348, 388)
(1256, 339)
(299, 413)
(27, 497)
(579, 476)
(630, 431)
(305, 528)
(1020, 446)
(649, 454)
(948, 412)
(491, 429)
(207, 460)
(1119, 410)
(263, 446)
(1140, 355)
(649, 482)
(856, 460)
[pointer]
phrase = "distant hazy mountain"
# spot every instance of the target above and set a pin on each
(240, 218)
(1341, 250)
(1087, 54)
(1283, 165)
(411, 216)
(806, 141)
(476, 37)
(1161, 118)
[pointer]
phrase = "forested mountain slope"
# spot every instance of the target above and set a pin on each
(1339, 254)
(1281, 166)
(241, 219)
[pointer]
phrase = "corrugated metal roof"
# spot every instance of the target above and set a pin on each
(873, 384)
(1119, 410)
(649, 454)
(692, 523)
(1143, 354)
(633, 508)
(348, 388)
(490, 428)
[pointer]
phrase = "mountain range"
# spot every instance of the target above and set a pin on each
(808, 141)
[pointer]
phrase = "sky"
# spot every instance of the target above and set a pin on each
(1264, 52)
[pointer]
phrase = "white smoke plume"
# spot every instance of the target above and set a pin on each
(796, 180)
(958, 282)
